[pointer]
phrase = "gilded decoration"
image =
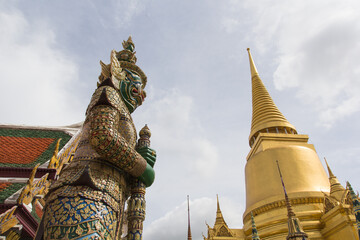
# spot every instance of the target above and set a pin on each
(8, 219)
(104, 165)
(54, 161)
(223, 232)
(33, 188)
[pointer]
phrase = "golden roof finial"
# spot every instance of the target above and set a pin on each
(266, 117)
(219, 217)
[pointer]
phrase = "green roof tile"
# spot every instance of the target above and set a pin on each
(10, 190)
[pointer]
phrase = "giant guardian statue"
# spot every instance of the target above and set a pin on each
(109, 166)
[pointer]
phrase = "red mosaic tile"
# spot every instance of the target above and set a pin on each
(22, 150)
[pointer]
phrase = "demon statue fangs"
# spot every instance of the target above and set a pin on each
(109, 167)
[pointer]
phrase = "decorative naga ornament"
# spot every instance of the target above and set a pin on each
(87, 201)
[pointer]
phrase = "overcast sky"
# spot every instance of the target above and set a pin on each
(199, 89)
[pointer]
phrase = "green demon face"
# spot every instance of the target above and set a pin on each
(131, 90)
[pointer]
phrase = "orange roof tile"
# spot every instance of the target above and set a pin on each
(22, 149)
(4, 185)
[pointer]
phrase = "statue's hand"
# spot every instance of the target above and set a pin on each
(148, 154)
(148, 176)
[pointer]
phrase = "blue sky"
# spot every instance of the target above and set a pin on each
(199, 91)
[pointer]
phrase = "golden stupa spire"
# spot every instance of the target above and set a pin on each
(219, 217)
(266, 117)
(336, 189)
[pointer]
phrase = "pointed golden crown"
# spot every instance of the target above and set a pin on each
(128, 44)
(266, 117)
(128, 53)
(123, 59)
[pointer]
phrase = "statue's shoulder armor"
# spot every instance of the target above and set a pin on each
(108, 96)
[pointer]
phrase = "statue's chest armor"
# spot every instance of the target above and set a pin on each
(109, 96)
(127, 129)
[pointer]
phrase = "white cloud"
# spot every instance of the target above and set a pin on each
(171, 117)
(230, 24)
(132, 8)
(173, 225)
(118, 14)
(34, 70)
(316, 42)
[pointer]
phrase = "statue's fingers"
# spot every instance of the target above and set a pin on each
(150, 162)
(147, 152)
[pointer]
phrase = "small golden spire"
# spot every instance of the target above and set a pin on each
(336, 189)
(329, 170)
(266, 117)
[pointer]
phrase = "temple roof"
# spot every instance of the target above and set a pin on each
(25, 147)
(7, 189)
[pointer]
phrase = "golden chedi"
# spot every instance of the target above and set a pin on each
(315, 206)
(272, 138)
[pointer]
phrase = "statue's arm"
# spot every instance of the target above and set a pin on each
(109, 143)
